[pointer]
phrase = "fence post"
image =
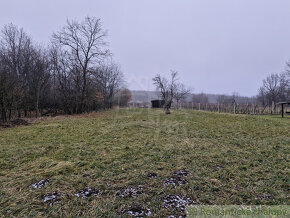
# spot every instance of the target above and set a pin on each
(199, 106)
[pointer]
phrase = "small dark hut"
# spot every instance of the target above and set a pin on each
(157, 103)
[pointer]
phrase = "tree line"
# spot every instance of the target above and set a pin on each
(75, 73)
(275, 89)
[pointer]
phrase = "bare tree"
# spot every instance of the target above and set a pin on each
(15, 47)
(286, 82)
(85, 42)
(109, 79)
(284, 86)
(274, 87)
(262, 97)
(167, 88)
(8, 91)
(235, 101)
(287, 70)
(65, 82)
(71, 76)
(39, 76)
(181, 93)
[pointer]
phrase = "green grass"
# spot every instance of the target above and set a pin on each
(118, 148)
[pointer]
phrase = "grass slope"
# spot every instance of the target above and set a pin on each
(233, 159)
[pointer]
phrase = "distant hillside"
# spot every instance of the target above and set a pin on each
(147, 96)
(144, 96)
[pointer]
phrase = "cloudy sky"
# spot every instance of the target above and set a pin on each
(217, 46)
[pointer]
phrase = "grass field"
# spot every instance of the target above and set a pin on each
(232, 159)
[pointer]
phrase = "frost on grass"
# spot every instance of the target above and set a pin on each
(52, 198)
(129, 192)
(137, 211)
(40, 184)
(177, 216)
(152, 175)
(175, 181)
(87, 192)
(177, 178)
(264, 197)
(181, 173)
(177, 202)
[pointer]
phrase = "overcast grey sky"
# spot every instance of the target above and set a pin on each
(217, 46)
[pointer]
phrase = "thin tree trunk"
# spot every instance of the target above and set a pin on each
(37, 105)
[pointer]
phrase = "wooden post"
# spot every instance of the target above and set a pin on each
(218, 107)
(282, 110)
(199, 106)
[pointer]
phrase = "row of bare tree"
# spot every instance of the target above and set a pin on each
(275, 88)
(74, 74)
